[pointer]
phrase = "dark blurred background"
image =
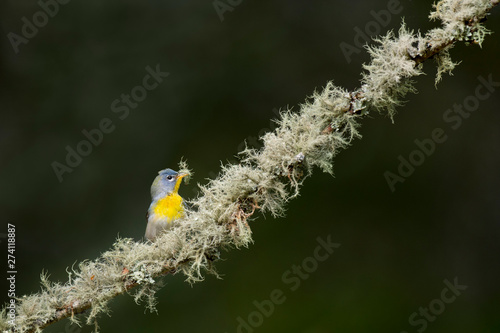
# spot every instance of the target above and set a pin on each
(227, 79)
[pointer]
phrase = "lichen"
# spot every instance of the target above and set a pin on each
(452, 12)
(444, 65)
(387, 78)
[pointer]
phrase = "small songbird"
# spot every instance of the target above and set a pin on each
(167, 205)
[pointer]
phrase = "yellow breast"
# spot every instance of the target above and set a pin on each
(170, 207)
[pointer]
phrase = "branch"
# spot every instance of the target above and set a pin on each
(264, 180)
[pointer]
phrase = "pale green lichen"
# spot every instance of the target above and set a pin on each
(462, 21)
(298, 144)
(387, 78)
(183, 168)
(453, 12)
(444, 64)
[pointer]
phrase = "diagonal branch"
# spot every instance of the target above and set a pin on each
(264, 180)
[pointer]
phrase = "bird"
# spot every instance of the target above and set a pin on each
(166, 204)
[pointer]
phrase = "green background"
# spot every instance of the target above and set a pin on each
(226, 78)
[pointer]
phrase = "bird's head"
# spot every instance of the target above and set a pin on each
(167, 182)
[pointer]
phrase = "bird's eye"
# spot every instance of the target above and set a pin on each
(170, 177)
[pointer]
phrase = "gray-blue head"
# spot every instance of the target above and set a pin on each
(167, 182)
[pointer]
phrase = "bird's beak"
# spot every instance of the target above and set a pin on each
(178, 181)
